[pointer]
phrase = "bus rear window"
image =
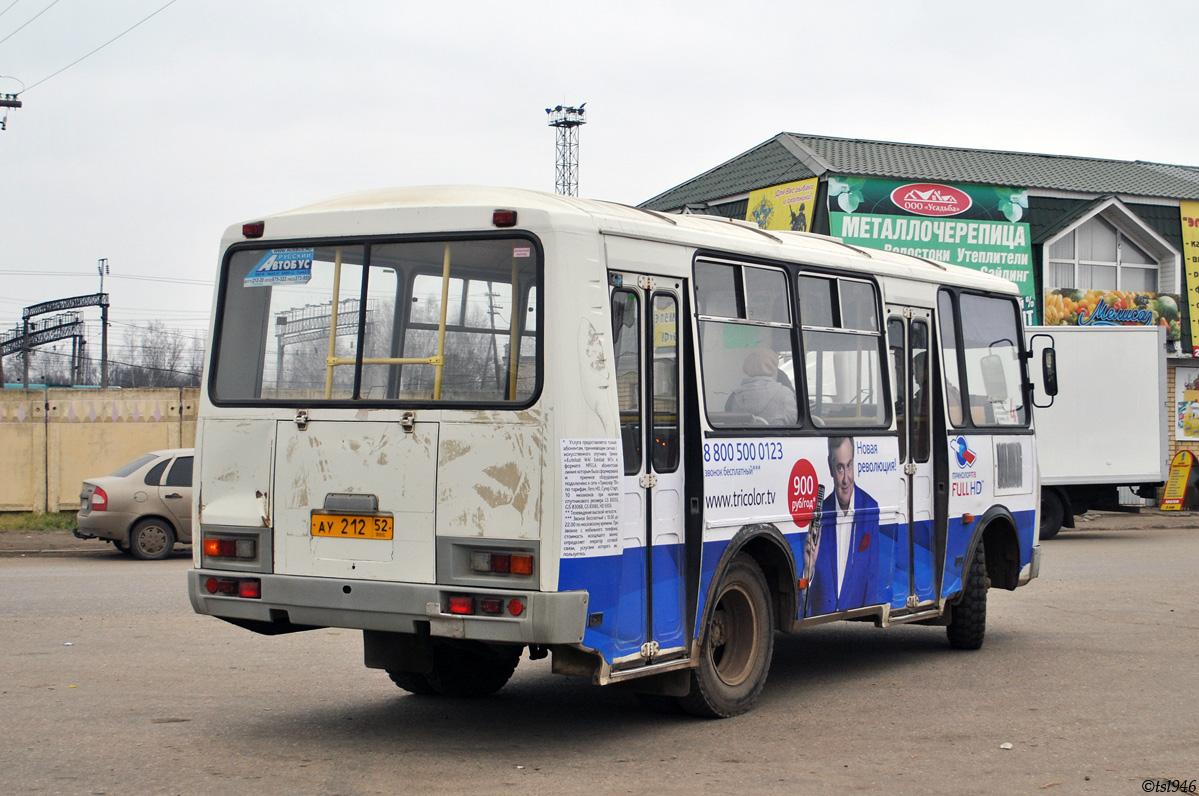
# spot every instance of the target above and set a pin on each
(428, 321)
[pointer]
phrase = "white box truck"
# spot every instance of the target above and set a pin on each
(1107, 426)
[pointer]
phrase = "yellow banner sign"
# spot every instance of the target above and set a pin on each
(787, 206)
(1190, 265)
(1175, 494)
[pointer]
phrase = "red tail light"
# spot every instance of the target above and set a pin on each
(501, 563)
(462, 605)
(230, 548)
(251, 588)
(99, 500)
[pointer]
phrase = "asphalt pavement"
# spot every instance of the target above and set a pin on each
(50, 543)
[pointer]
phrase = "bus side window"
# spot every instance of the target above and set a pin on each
(746, 349)
(949, 357)
(843, 360)
(626, 345)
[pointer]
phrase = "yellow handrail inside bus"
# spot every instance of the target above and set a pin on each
(333, 325)
(513, 336)
(437, 360)
(445, 300)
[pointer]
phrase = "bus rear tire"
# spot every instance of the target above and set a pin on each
(471, 669)
(738, 641)
(968, 621)
(412, 682)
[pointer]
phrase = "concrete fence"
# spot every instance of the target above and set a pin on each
(52, 439)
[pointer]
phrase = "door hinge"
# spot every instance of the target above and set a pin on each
(645, 282)
(302, 419)
(649, 481)
(408, 422)
(649, 649)
(909, 313)
(913, 601)
(909, 468)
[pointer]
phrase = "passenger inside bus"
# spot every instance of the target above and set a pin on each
(761, 394)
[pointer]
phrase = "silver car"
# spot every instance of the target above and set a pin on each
(143, 508)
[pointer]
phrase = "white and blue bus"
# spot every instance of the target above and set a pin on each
(472, 422)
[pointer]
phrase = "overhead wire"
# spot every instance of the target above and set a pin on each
(170, 279)
(98, 49)
(35, 16)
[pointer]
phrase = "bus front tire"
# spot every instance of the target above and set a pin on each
(968, 622)
(470, 668)
(738, 642)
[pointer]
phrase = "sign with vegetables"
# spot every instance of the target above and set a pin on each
(976, 226)
(1069, 306)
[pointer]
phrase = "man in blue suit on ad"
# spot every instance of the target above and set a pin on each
(846, 545)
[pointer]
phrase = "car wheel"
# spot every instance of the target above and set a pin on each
(738, 640)
(151, 539)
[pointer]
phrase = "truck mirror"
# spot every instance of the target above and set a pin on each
(1049, 371)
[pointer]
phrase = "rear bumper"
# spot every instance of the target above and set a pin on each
(110, 525)
(548, 618)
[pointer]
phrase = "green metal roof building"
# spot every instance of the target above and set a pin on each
(1091, 229)
(1120, 218)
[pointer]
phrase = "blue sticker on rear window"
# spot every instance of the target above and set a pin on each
(282, 267)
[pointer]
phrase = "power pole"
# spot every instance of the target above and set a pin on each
(102, 267)
(8, 101)
(567, 120)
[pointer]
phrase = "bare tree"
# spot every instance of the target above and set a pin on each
(158, 356)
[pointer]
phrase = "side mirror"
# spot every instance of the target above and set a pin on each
(994, 381)
(1049, 371)
(1048, 368)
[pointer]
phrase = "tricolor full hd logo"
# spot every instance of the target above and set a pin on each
(965, 456)
(931, 199)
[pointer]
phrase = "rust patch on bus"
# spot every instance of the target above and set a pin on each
(515, 485)
(453, 449)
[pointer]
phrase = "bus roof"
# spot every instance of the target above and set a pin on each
(452, 208)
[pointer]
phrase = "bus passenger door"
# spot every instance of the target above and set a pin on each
(645, 315)
(908, 339)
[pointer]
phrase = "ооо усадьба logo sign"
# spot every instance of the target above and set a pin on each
(931, 199)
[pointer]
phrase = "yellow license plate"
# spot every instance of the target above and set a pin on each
(352, 526)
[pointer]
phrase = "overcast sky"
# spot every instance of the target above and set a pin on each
(217, 111)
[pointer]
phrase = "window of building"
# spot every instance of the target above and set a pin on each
(1098, 256)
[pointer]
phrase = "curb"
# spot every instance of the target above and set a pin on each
(70, 551)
